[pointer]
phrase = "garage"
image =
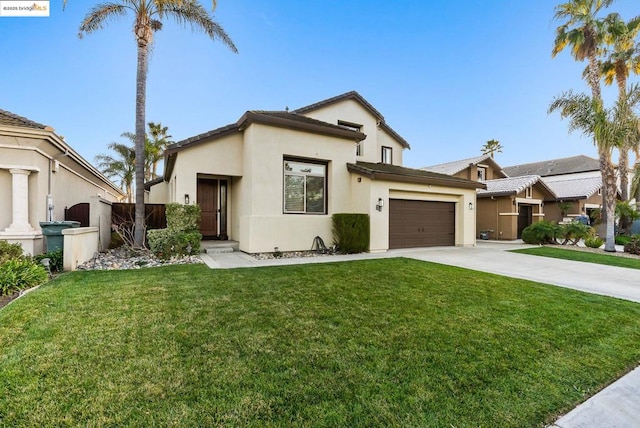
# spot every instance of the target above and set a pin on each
(421, 223)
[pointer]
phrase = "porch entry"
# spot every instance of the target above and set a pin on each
(212, 198)
(525, 218)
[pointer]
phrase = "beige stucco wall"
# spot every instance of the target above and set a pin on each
(353, 112)
(259, 213)
(51, 168)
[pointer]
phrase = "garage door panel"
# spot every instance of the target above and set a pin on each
(421, 223)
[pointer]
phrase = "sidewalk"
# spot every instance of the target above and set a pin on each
(618, 405)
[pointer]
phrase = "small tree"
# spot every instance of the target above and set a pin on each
(491, 147)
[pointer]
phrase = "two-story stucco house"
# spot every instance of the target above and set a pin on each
(274, 178)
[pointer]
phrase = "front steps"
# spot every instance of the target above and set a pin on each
(218, 247)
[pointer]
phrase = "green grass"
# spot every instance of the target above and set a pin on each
(393, 342)
(582, 256)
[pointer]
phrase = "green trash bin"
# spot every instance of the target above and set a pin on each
(52, 230)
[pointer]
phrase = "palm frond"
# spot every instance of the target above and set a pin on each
(191, 13)
(100, 15)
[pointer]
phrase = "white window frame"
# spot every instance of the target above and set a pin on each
(387, 155)
(288, 172)
(482, 173)
(528, 192)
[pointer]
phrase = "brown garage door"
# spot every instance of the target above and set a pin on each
(421, 223)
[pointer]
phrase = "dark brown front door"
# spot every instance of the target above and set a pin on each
(525, 218)
(208, 200)
(421, 223)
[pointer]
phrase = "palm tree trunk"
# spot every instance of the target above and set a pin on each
(609, 194)
(141, 98)
(623, 160)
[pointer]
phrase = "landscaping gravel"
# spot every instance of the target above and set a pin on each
(121, 258)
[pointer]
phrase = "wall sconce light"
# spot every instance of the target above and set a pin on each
(380, 204)
(186, 199)
(470, 206)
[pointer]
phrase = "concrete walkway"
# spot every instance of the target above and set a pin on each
(618, 405)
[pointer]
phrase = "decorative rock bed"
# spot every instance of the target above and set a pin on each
(123, 258)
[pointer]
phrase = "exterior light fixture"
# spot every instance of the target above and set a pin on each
(380, 204)
(470, 206)
(186, 199)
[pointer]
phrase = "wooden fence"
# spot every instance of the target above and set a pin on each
(155, 217)
(78, 212)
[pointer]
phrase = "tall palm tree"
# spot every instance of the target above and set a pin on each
(148, 16)
(120, 166)
(585, 33)
(158, 140)
(607, 127)
(491, 147)
(623, 58)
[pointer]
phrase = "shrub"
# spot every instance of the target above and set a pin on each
(572, 232)
(56, 260)
(9, 251)
(183, 218)
(542, 232)
(633, 246)
(622, 239)
(593, 242)
(19, 274)
(351, 232)
(167, 243)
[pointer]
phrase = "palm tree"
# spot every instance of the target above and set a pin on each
(158, 140)
(607, 127)
(148, 17)
(120, 166)
(623, 59)
(491, 146)
(585, 33)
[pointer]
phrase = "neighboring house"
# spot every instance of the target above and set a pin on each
(40, 175)
(507, 205)
(576, 183)
(274, 178)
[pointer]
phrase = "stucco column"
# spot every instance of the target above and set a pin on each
(20, 199)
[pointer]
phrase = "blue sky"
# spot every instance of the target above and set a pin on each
(447, 75)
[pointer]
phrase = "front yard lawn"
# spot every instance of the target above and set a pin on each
(392, 342)
(583, 256)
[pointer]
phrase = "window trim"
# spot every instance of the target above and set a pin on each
(390, 155)
(315, 162)
(359, 149)
(482, 171)
(528, 192)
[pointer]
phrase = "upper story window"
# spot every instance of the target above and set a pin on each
(528, 193)
(387, 155)
(305, 187)
(482, 174)
(354, 127)
(359, 148)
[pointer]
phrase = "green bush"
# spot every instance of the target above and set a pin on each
(351, 232)
(56, 260)
(181, 237)
(633, 246)
(571, 233)
(622, 239)
(183, 218)
(593, 242)
(19, 274)
(166, 243)
(542, 232)
(9, 251)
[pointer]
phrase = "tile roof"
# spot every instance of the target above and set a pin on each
(9, 119)
(561, 166)
(403, 174)
(455, 167)
(576, 188)
(510, 186)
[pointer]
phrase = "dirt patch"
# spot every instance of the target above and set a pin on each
(5, 300)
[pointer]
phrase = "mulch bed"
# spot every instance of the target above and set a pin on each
(5, 300)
